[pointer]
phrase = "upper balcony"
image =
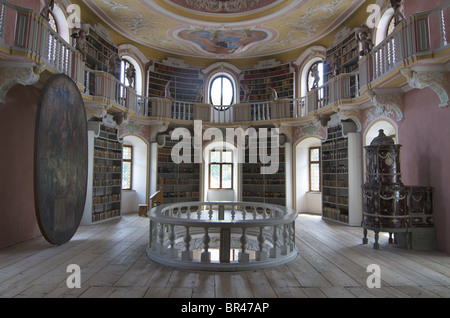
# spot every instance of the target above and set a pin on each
(27, 39)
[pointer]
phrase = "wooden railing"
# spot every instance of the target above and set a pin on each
(222, 235)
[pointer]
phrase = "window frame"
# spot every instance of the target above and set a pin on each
(313, 162)
(221, 164)
(390, 26)
(233, 89)
(131, 166)
(52, 22)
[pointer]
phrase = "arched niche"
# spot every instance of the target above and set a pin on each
(305, 200)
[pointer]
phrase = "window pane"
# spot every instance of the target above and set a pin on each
(226, 176)
(227, 156)
(214, 176)
(215, 156)
(216, 92)
(315, 76)
(126, 153)
(315, 177)
(315, 154)
(227, 92)
(126, 175)
(222, 91)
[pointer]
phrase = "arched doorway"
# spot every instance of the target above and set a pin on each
(308, 198)
(134, 174)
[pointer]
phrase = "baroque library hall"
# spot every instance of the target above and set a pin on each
(224, 149)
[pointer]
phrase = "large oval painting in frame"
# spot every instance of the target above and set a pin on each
(61, 156)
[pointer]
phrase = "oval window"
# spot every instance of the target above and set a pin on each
(221, 91)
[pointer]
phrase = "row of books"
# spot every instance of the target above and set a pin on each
(335, 199)
(107, 182)
(335, 144)
(333, 155)
(252, 181)
(185, 194)
(107, 144)
(109, 198)
(162, 68)
(335, 183)
(108, 168)
(250, 194)
(335, 213)
(99, 216)
(335, 169)
(104, 154)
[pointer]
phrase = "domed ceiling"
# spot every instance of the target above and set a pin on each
(224, 28)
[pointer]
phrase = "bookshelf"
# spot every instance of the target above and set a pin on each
(105, 174)
(341, 174)
(185, 82)
(98, 51)
(267, 188)
(182, 180)
(345, 55)
(280, 77)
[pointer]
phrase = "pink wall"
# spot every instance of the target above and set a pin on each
(425, 153)
(412, 6)
(17, 123)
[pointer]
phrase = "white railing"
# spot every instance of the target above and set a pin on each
(222, 236)
(182, 110)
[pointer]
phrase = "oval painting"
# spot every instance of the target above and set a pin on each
(61, 156)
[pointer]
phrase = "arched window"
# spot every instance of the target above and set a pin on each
(315, 76)
(391, 26)
(52, 22)
(128, 73)
(131, 73)
(221, 91)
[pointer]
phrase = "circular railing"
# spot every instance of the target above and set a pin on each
(222, 236)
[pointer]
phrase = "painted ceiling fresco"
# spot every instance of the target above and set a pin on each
(224, 28)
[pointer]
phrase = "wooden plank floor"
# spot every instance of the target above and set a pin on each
(331, 263)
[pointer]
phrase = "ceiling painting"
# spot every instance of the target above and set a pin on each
(224, 28)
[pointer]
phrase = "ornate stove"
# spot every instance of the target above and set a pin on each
(389, 206)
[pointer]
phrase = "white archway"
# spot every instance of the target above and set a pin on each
(390, 129)
(140, 163)
(61, 22)
(305, 200)
(220, 195)
(383, 25)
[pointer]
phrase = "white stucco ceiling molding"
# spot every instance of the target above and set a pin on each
(386, 101)
(12, 73)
